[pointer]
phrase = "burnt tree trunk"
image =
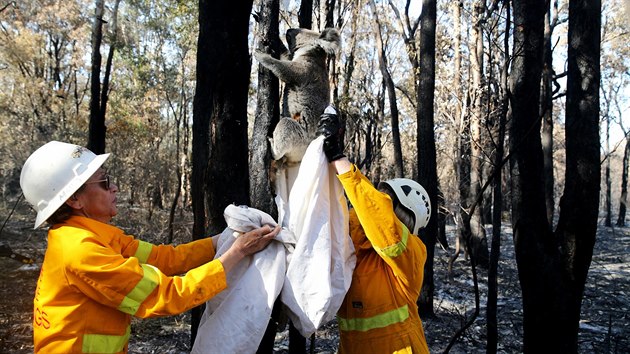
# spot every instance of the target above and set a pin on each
(579, 205)
(553, 265)
(607, 183)
(479, 242)
(267, 112)
(220, 148)
(97, 129)
(546, 112)
(532, 233)
(305, 14)
(267, 116)
(497, 207)
(426, 154)
(623, 200)
(330, 13)
(391, 93)
(113, 38)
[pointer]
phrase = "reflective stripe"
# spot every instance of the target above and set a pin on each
(141, 291)
(143, 251)
(398, 248)
(105, 343)
(379, 321)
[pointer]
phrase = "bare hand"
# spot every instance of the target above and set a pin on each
(255, 240)
(248, 244)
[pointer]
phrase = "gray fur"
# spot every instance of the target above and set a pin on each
(289, 141)
(303, 70)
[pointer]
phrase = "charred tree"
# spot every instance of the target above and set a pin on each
(97, 129)
(478, 241)
(220, 148)
(305, 14)
(426, 151)
(623, 200)
(391, 92)
(553, 265)
(497, 207)
(267, 112)
(546, 111)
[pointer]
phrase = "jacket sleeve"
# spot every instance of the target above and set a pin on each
(135, 288)
(172, 260)
(390, 238)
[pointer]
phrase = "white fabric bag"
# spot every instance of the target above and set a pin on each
(320, 271)
(235, 320)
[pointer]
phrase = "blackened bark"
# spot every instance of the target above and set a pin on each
(478, 241)
(391, 93)
(267, 116)
(108, 70)
(553, 266)
(427, 167)
(96, 134)
(497, 210)
(305, 14)
(623, 200)
(546, 105)
(532, 234)
(607, 183)
(220, 148)
(267, 112)
(330, 12)
(579, 205)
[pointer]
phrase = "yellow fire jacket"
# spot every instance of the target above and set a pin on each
(379, 313)
(94, 278)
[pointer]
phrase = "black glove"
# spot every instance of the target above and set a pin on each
(330, 127)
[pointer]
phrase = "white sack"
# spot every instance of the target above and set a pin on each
(235, 320)
(320, 271)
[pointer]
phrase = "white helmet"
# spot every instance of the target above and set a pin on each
(53, 173)
(414, 198)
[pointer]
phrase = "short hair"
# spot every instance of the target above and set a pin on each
(60, 215)
(403, 214)
(64, 212)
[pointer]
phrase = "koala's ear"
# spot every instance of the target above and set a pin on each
(330, 40)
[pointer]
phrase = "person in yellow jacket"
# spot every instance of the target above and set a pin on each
(379, 313)
(94, 277)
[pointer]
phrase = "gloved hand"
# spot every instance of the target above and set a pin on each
(330, 127)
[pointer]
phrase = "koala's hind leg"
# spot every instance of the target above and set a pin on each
(289, 141)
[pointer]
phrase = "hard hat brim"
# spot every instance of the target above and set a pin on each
(57, 202)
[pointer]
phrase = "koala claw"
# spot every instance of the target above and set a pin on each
(260, 56)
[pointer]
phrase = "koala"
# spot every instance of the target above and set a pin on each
(302, 68)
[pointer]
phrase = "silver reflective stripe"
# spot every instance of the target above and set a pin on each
(379, 321)
(141, 291)
(105, 343)
(397, 249)
(143, 251)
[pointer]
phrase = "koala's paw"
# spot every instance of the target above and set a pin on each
(276, 154)
(261, 57)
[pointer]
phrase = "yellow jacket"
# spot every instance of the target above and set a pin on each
(379, 314)
(94, 278)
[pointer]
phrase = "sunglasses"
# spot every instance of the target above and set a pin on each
(107, 184)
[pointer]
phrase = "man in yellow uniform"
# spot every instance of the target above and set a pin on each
(95, 277)
(379, 314)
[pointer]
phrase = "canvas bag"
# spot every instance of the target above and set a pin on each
(320, 271)
(235, 320)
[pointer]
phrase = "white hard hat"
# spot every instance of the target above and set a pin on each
(53, 173)
(414, 198)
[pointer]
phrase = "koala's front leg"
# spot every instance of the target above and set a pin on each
(286, 70)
